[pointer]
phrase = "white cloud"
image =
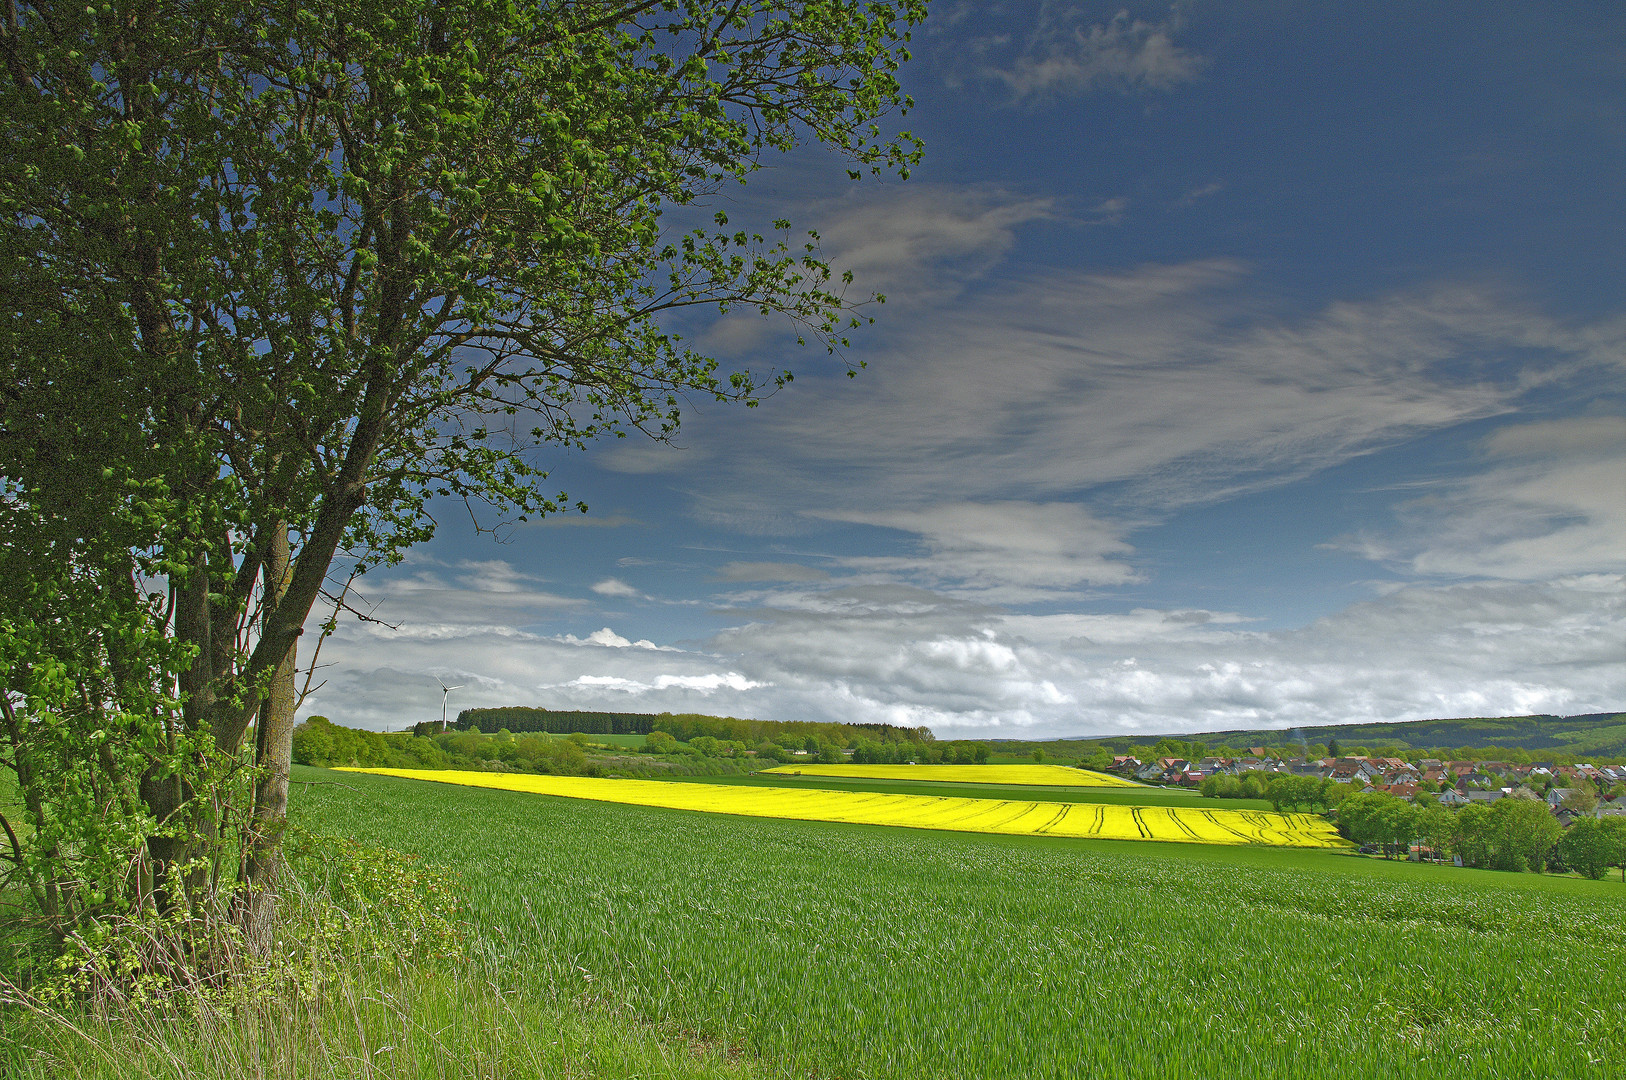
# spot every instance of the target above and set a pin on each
(905, 655)
(614, 587)
(989, 545)
(384, 679)
(609, 639)
(922, 243)
(704, 684)
(474, 593)
(1065, 56)
(492, 576)
(1420, 652)
(1553, 502)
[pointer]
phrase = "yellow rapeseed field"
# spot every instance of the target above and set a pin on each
(1047, 775)
(1180, 824)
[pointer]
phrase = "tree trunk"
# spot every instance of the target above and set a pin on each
(273, 753)
(163, 790)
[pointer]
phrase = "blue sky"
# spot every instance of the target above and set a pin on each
(1243, 364)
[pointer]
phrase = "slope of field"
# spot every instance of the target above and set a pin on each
(813, 949)
(1194, 825)
(1046, 775)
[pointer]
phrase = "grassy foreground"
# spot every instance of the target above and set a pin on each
(843, 950)
(383, 1025)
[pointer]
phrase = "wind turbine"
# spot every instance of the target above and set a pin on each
(445, 692)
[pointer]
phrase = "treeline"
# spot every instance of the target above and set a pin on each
(518, 719)
(684, 727)
(318, 741)
(1284, 790)
(1560, 739)
(1513, 833)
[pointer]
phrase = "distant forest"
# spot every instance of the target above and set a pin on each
(1600, 735)
(681, 726)
(1596, 734)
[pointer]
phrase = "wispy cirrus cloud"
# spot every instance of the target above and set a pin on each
(922, 244)
(1550, 499)
(1145, 390)
(744, 572)
(1065, 55)
(1013, 549)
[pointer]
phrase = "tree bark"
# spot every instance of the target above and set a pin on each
(273, 754)
(164, 790)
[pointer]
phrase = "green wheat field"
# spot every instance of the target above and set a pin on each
(810, 949)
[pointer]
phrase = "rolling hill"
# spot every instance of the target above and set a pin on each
(1599, 734)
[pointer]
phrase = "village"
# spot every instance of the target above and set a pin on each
(1570, 790)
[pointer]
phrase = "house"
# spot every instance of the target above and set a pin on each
(1487, 797)
(1349, 770)
(1175, 769)
(1402, 791)
(1557, 795)
(1452, 798)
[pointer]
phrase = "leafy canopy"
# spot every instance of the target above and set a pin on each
(278, 275)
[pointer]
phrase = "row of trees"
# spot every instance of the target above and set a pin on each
(555, 721)
(1284, 790)
(278, 275)
(320, 742)
(1515, 834)
(685, 727)
(896, 753)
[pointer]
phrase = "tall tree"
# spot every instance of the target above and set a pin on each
(277, 275)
